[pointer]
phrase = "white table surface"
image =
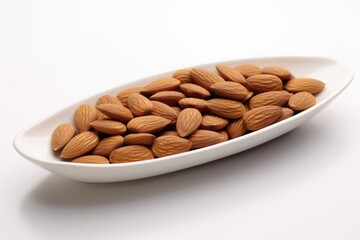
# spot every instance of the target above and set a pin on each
(303, 185)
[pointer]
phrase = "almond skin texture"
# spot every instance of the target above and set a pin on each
(139, 105)
(264, 83)
(177, 109)
(162, 84)
(80, 145)
(282, 73)
(286, 113)
(215, 123)
(199, 104)
(230, 74)
(107, 145)
(188, 121)
(301, 101)
(163, 110)
(108, 99)
(205, 78)
(169, 145)
(236, 128)
(124, 94)
(170, 133)
(170, 98)
(131, 153)
(248, 70)
(110, 127)
(116, 112)
(261, 117)
(226, 108)
(275, 98)
(144, 139)
(310, 85)
(230, 90)
(204, 138)
(193, 90)
(148, 124)
(183, 75)
(62, 135)
(96, 159)
(84, 115)
(224, 134)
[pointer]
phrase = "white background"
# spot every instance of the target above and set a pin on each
(303, 185)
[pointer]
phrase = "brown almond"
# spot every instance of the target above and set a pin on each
(164, 110)
(275, 98)
(169, 145)
(248, 70)
(310, 85)
(204, 138)
(193, 90)
(183, 75)
(79, 145)
(124, 94)
(226, 108)
(261, 117)
(215, 123)
(170, 98)
(107, 145)
(108, 99)
(139, 105)
(147, 124)
(205, 78)
(230, 74)
(144, 139)
(177, 109)
(96, 159)
(285, 113)
(230, 90)
(199, 104)
(224, 134)
(236, 128)
(161, 84)
(170, 133)
(116, 112)
(264, 83)
(188, 121)
(62, 135)
(110, 127)
(281, 72)
(301, 101)
(84, 115)
(131, 153)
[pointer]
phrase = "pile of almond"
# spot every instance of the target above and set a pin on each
(194, 108)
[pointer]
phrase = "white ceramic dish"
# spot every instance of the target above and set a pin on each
(34, 143)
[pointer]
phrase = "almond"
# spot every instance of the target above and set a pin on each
(264, 83)
(310, 85)
(107, 145)
(231, 90)
(248, 70)
(193, 90)
(162, 84)
(230, 74)
(226, 108)
(144, 139)
(170, 98)
(147, 124)
(199, 104)
(80, 145)
(177, 109)
(139, 105)
(170, 133)
(236, 128)
(183, 75)
(109, 127)
(224, 134)
(108, 99)
(285, 113)
(205, 78)
(124, 94)
(188, 121)
(84, 115)
(275, 98)
(163, 110)
(169, 145)
(116, 112)
(100, 115)
(214, 123)
(281, 72)
(91, 159)
(301, 101)
(62, 135)
(204, 138)
(261, 117)
(131, 153)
